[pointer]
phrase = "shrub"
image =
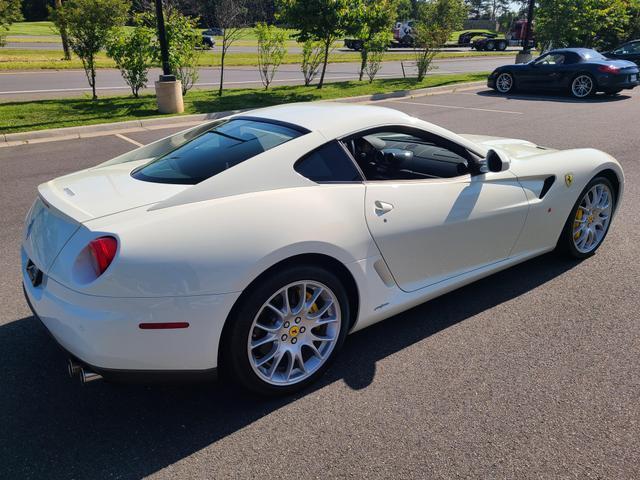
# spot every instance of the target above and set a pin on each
(133, 53)
(271, 51)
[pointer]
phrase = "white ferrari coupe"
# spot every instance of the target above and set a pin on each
(254, 244)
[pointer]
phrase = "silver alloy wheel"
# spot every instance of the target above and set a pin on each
(592, 218)
(582, 86)
(504, 82)
(294, 333)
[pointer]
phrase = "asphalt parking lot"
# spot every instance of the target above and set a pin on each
(531, 373)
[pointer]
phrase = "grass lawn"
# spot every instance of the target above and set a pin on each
(24, 59)
(43, 114)
(32, 28)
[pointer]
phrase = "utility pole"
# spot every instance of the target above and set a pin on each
(525, 55)
(168, 89)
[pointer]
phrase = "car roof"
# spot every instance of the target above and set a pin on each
(331, 119)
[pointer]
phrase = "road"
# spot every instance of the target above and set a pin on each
(531, 373)
(42, 84)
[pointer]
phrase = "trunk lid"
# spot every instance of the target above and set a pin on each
(65, 203)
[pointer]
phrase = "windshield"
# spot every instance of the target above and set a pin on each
(217, 149)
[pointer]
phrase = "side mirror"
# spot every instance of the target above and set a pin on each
(497, 161)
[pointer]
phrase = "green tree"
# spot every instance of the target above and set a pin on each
(9, 13)
(133, 51)
(437, 20)
(271, 51)
(581, 23)
(322, 20)
(89, 23)
(183, 37)
(372, 23)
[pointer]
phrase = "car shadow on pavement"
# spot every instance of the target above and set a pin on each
(51, 427)
(550, 97)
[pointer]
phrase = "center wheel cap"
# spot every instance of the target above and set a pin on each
(293, 331)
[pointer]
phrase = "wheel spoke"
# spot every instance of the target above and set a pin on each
(266, 358)
(264, 340)
(276, 362)
(323, 310)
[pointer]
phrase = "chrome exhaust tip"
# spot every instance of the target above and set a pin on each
(87, 376)
(73, 368)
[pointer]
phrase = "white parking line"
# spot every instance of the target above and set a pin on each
(130, 140)
(458, 107)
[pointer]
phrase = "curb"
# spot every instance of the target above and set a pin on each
(131, 126)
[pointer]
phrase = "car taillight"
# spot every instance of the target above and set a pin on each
(102, 250)
(608, 69)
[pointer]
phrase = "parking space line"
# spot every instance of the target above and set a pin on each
(458, 107)
(130, 140)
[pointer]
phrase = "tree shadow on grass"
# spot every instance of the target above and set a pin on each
(53, 428)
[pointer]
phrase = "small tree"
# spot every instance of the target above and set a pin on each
(376, 48)
(371, 23)
(9, 13)
(436, 21)
(89, 23)
(322, 20)
(133, 53)
(271, 51)
(231, 17)
(311, 60)
(183, 37)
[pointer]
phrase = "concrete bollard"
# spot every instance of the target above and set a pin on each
(523, 57)
(169, 96)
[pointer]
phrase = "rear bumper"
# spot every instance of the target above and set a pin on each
(615, 82)
(104, 334)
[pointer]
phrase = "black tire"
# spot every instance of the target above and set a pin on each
(591, 93)
(234, 361)
(566, 244)
(490, 45)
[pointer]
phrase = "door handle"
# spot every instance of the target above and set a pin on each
(382, 207)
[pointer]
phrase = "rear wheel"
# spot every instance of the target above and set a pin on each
(286, 331)
(589, 220)
(502, 45)
(505, 83)
(583, 86)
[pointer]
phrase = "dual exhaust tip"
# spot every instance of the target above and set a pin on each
(85, 375)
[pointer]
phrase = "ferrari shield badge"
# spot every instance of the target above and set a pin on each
(568, 179)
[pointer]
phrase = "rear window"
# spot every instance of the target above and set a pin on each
(217, 149)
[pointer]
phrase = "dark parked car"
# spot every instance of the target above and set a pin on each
(579, 71)
(627, 51)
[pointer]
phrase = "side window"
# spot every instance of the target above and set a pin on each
(328, 164)
(403, 155)
(570, 58)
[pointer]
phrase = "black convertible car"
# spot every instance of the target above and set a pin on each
(579, 71)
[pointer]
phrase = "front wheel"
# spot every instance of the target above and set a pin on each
(286, 331)
(505, 83)
(583, 86)
(589, 220)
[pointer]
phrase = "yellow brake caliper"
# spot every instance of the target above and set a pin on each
(314, 307)
(576, 223)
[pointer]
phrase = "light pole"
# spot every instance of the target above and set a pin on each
(168, 89)
(525, 55)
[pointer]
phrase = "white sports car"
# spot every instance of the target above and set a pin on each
(254, 244)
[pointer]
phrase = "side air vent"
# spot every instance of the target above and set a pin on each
(547, 185)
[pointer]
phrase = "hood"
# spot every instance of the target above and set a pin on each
(102, 191)
(515, 148)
